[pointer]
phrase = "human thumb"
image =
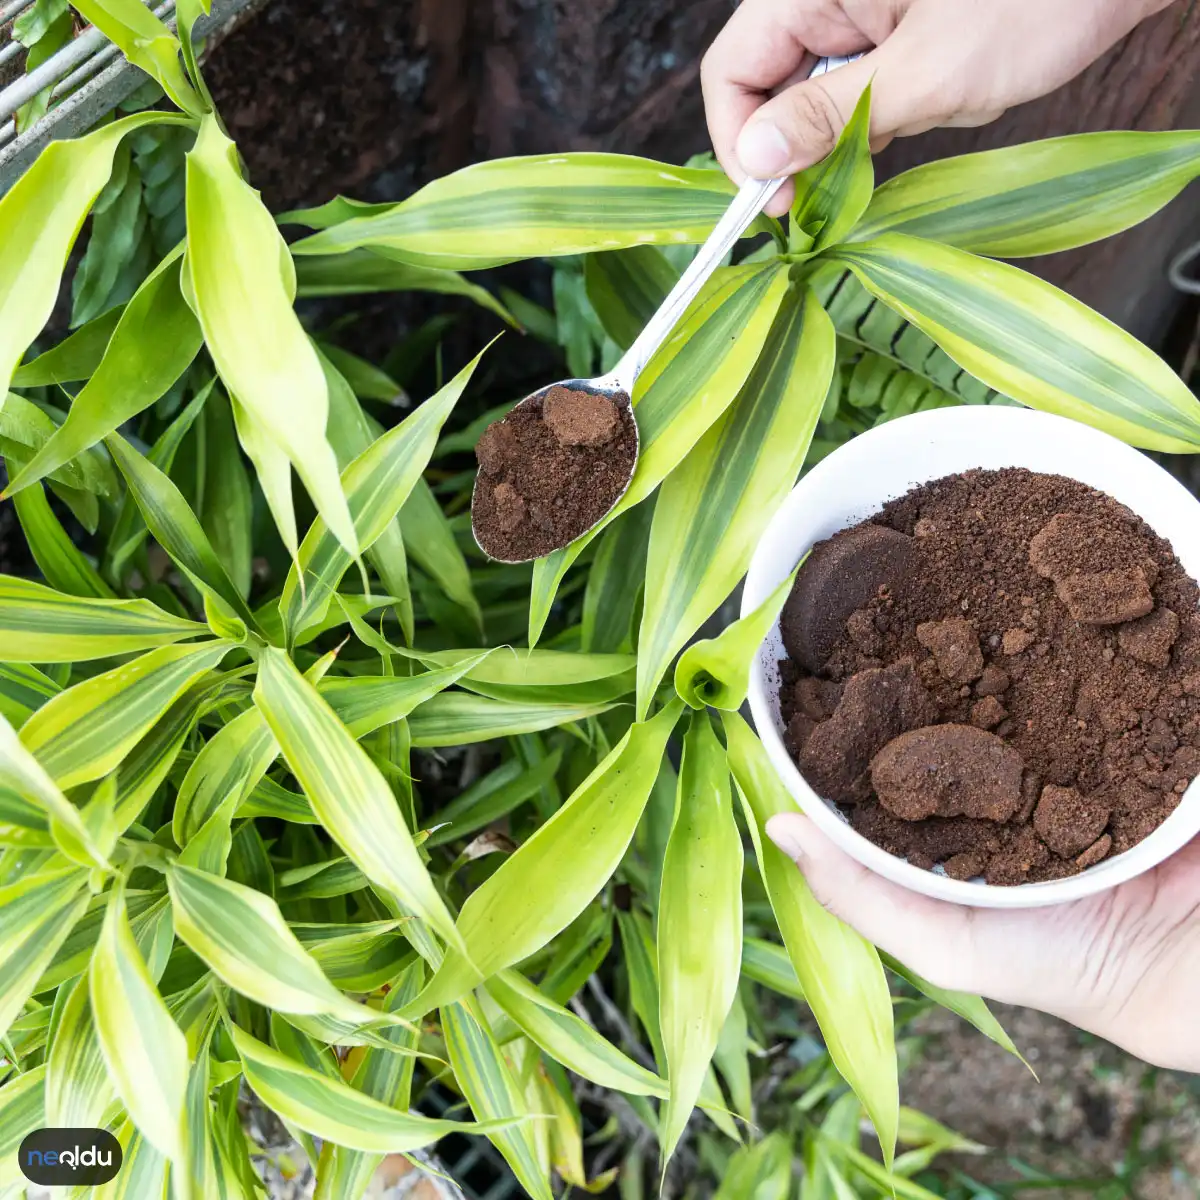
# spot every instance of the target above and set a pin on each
(801, 125)
(928, 936)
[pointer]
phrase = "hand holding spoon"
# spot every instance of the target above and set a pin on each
(564, 456)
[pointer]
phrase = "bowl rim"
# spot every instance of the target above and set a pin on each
(768, 568)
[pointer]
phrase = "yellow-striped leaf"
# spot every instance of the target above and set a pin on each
(1030, 340)
(178, 531)
(38, 624)
(334, 1111)
(23, 775)
(688, 384)
(761, 1172)
(129, 377)
(361, 957)
(243, 938)
(486, 1080)
(839, 972)
(832, 194)
(1037, 198)
(457, 719)
(376, 484)
(512, 208)
(60, 561)
(23, 690)
(146, 42)
(368, 702)
(383, 1076)
(768, 964)
(367, 271)
(145, 1051)
(240, 282)
(22, 1110)
(538, 891)
(40, 216)
(273, 468)
(430, 541)
(346, 790)
(716, 671)
(78, 1090)
(36, 914)
(25, 430)
(715, 505)
(569, 1040)
(84, 732)
(699, 924)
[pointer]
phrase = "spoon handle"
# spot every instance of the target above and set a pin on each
(750, 200)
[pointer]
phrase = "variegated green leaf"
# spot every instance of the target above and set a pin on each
(430, 541)
(715, 505)
(839, 972)
(78, 1090)
(25, 430)
(144, 1050)
(625, 288)
(832, 194)
(609, 602)
(457, 718)
(24, 775)
(376, 483)
(38, 624)
(242, 936)
(334, 1111)
(23, 690)
(357, 958)
(486, 1080)
(569, 1040)
(699, 924)
(972, 1009)
(22, 1110)
(344, 1174)
(760, 1172)
(1037, 198)
(274, 470)
(146, 42)
(36, 914)
(688, 384)
(240, 282)
(40, 216)
(178, 531)
(127, 379)
(84, 732)
(60, 561)
(512, 208)
(347, 792)
(716, 671)
(538, 891)
(363, 272)
(1029, 340)
(368, 702)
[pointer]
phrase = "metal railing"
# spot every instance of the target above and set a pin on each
(89, 79)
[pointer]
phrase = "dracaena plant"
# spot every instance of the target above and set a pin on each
(241, 810)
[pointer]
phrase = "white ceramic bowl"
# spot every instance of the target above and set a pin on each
(855, 482)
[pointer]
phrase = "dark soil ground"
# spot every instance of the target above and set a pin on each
(1096, 1113)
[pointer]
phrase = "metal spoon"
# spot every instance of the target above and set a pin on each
(617, 385)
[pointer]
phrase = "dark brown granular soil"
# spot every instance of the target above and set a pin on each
(550, 470)
(1016, 693)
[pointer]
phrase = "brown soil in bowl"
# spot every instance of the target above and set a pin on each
(998, 674)
(550, 470)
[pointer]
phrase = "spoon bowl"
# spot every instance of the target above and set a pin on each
(493, 508)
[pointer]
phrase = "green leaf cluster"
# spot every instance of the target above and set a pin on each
(303, 792)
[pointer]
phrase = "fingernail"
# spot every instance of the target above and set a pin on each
(781, 830)
(762, 150)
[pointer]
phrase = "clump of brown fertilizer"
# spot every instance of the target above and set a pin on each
(997, 676)
(550, 470)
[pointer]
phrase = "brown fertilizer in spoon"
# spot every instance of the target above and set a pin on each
(997, 676)
(550, 469)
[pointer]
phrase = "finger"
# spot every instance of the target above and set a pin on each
(1034, 956)
(932, 938)
(762, 47)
